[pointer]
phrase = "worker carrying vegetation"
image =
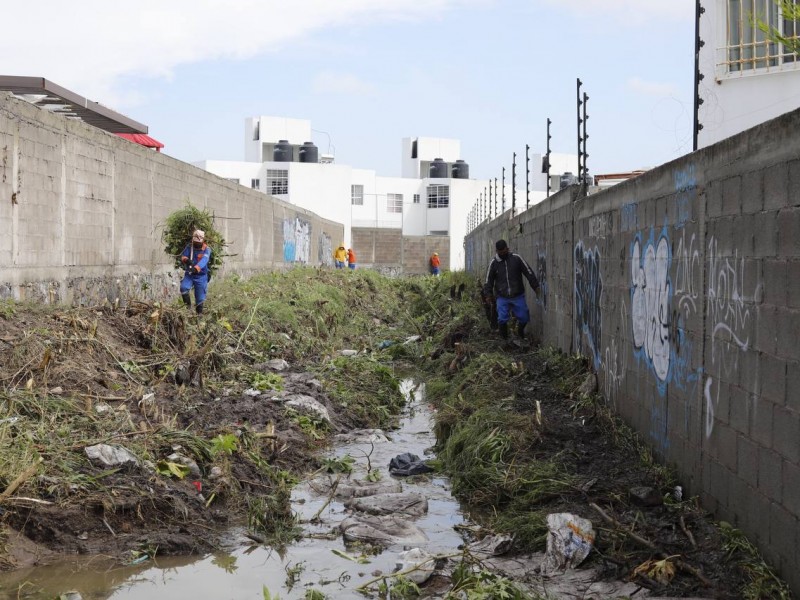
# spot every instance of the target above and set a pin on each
(435, 262)
(351, 259)
(339, 257)
(195, 259)
(504, 281)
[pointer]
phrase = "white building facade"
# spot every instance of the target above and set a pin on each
(745, 78)
(415, 203)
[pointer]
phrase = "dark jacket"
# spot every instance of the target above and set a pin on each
(504, 277)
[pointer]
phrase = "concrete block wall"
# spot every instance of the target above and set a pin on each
(389, 251)
(81, 214)
(683, 288)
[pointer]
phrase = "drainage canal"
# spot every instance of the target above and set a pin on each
(321, 561)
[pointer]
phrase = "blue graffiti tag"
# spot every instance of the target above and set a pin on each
(686, 191)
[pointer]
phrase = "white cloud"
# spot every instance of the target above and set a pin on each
(330, 82)
(87, 46)
(634, 12)
(652, 88)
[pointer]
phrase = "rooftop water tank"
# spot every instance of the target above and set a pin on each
(568, 179)
(308, 153)
(438, 169)
(282, 152)
(460, 170)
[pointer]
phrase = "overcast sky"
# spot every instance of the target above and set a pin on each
(370, 72)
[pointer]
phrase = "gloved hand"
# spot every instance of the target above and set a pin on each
(184, 259)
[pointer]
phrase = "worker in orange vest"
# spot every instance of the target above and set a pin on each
(435, 262)
(351, 259)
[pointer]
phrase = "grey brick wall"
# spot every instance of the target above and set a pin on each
(81, 212)
(683, 287)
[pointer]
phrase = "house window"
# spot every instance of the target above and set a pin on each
(394, 203)
(416, 198)
(438, 196)
(277, 182)
(748, 47)
(255, 183)
(357, 195)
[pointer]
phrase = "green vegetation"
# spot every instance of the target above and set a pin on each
(789, 12)
(761, 580)
(177, 233)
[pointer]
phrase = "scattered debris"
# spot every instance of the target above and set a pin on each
(403, 503)
(406, 464)
(418, 565)
(385, 530)
(569, 540)
(111, 456)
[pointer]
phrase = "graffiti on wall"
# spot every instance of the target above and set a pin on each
(651, 291)
(588, 293)
(469, 253)
(688, 273)
(615, 362)
(728, 316)
(325, 250)
(541, 275)
(296, 240)
(686, 191)
(628, 217)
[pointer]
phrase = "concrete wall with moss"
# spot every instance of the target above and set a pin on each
(81, 213)
(682, 287)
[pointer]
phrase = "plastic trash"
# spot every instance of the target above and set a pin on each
(110, 456)
(569, 540)
(407, 464)
(422, 563)
(385, 344)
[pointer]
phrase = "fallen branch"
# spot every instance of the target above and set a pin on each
(648, 544)
(315, 518)
(687, 532)
(21, 478)
(404, 572)
(24, 501)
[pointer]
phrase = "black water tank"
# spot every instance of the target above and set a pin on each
(568, 179)
(282, 151)
(438, 169)
(460, 170)
(308, 153)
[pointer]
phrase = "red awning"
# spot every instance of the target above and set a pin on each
(142, 139)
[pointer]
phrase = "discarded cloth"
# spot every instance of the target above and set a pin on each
(407, 464)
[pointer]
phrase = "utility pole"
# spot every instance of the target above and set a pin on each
(513, 183)
(585, 181)
(503, 189)
(546, 165)
(580, 140)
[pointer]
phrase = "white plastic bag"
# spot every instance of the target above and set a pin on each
(569, 541)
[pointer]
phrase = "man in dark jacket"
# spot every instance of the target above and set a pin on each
(504, 281)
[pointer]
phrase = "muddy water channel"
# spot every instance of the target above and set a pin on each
(320, 561)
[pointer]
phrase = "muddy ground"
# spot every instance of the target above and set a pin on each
(159, 382)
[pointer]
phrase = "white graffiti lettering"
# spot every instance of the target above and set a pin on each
(651, 289)
(688, 274)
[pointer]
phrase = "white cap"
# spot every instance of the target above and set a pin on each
(198, 235)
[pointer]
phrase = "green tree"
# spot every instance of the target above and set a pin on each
(789, 11)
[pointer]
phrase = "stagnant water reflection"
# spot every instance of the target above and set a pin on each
(242, 572)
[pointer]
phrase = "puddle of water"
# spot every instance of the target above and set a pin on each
(241, 573)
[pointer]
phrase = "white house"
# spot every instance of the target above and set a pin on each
(744, 79)
(433, 196)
